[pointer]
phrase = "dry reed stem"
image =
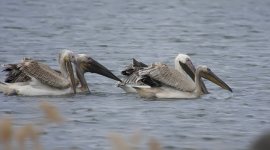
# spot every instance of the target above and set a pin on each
(154, 144)
(118, 142)
(28, 132)
(6, 133)
(135, 138)
(20, 137)
(51, 113)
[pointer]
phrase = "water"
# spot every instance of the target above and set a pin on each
(231, 37)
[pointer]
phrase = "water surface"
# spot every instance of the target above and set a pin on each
(231, 37)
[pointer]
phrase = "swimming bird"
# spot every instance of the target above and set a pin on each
(182, 62)
(82, 62)
(40, 79)
(163, 81)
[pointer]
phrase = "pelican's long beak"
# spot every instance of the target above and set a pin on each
(90, 65)
(212, 77)
(70, 72)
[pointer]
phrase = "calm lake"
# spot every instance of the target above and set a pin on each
(230, 37)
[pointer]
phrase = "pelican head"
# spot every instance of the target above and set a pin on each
(184, 65)
(65, 59)
(206, 73)
(85, 64)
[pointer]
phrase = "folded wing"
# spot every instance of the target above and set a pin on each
(167, 76)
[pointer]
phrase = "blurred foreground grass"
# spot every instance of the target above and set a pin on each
(15, 138)
(133, 143)
(12, 138)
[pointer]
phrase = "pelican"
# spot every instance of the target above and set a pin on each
(83, 63)
(40, 79)
(183, 64)
(165, 82)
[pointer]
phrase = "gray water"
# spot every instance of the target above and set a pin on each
(231, 37)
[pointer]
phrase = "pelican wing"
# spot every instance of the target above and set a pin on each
(132, 79)
(134, 67)
(44, 74)
(168, 76)
(136, 63)
(14, 74)
(132, 72)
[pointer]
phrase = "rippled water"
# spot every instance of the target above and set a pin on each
(231, 37)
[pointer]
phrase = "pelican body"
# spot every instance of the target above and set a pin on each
(32, 78)
(183, 64)
(173, 84)
(183, 81)
(40, 79)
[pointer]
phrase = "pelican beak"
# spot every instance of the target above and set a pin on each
(90, 65)
(212, 77)
(70, 72)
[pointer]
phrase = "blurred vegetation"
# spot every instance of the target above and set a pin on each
(12, 138)
(133, 143)
(15, 138)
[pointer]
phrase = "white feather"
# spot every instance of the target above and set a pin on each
(32, 88)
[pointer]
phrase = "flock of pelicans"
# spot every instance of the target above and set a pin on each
(33, 78)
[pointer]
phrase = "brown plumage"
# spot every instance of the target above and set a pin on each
(14, 74)
(44, 74)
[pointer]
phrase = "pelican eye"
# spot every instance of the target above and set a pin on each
(72, 57)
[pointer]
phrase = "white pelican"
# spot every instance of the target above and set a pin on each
(165, 82)
(183, 64)
(18, 80)
(42, 80)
